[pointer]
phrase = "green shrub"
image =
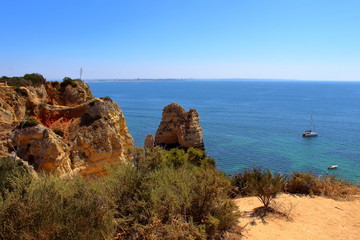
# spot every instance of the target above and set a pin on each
(302, 183)
(175, 157)
(56, 208)
(151, 200)
(153, 158)
(265, 185)
(192, 194)
(15, 81)
(28, 123)
(10, 169)
(241, 183)
(35, 78)
(68, 81)
(154, 204)
(196, 156)
(107, 98)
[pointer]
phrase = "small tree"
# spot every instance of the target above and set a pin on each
(265, 185)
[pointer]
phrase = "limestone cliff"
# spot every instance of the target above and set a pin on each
(61, 127)
(179, 128)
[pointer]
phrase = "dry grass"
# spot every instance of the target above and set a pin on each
(284, 209)
(336, 189)
(328, 186)
(234, 233)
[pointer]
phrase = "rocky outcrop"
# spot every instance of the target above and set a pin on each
(179, 128)
(75, 132)
(67, 94)
(43, 149)
(149, 142)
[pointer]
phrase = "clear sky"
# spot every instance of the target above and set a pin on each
(285, 39)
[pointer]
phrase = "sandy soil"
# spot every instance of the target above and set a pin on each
(307, 218)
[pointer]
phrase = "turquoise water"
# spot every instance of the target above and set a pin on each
(255, 123)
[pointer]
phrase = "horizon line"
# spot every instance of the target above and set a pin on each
(212, 79)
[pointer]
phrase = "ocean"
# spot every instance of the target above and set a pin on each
(249, 123)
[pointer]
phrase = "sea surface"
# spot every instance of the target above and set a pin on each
(249, 123)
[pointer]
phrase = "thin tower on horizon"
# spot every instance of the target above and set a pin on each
(81, 70)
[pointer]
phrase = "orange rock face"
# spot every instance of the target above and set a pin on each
(179, 128)
(149, 141)
(76, 132)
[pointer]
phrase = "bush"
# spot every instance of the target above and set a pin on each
(55, 208)
(151, 200)
(68, 81)
(327, 186)
(240, 183)
(107, 98)
(10, 169)
(265, 185)
(28, 123)
(302, 183)
(15, 81)
(170, 201)
(330, 186)
(175, 157)
(35, 78)
(196, 156)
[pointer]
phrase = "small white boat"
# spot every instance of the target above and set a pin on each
(333, 167)
(310, 133)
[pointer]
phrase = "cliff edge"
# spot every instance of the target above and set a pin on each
(60, 127)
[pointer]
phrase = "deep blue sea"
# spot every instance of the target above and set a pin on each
(250, 123)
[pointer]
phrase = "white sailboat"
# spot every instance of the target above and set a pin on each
(310, 133)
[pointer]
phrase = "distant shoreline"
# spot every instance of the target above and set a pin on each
(213, 79)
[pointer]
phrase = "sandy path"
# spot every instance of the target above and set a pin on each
(312, 218)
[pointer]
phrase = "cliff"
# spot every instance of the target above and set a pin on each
(179, 128)
(61, 127)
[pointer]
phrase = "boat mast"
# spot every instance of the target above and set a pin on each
(312, 122)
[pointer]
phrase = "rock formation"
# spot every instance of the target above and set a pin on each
(149, 141)
(62, 128)
(179, 128)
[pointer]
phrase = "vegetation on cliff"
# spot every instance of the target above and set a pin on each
(32, 79)
(261, 182)
(156, 197)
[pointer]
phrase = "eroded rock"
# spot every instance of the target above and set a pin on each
(77, 132)
(149, 142)
(179, 128)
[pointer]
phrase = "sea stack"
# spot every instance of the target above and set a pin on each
(149, 142)
(179, 128)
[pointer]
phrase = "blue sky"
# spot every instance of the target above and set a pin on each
(284, 39)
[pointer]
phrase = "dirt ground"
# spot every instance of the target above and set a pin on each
(303, 217)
